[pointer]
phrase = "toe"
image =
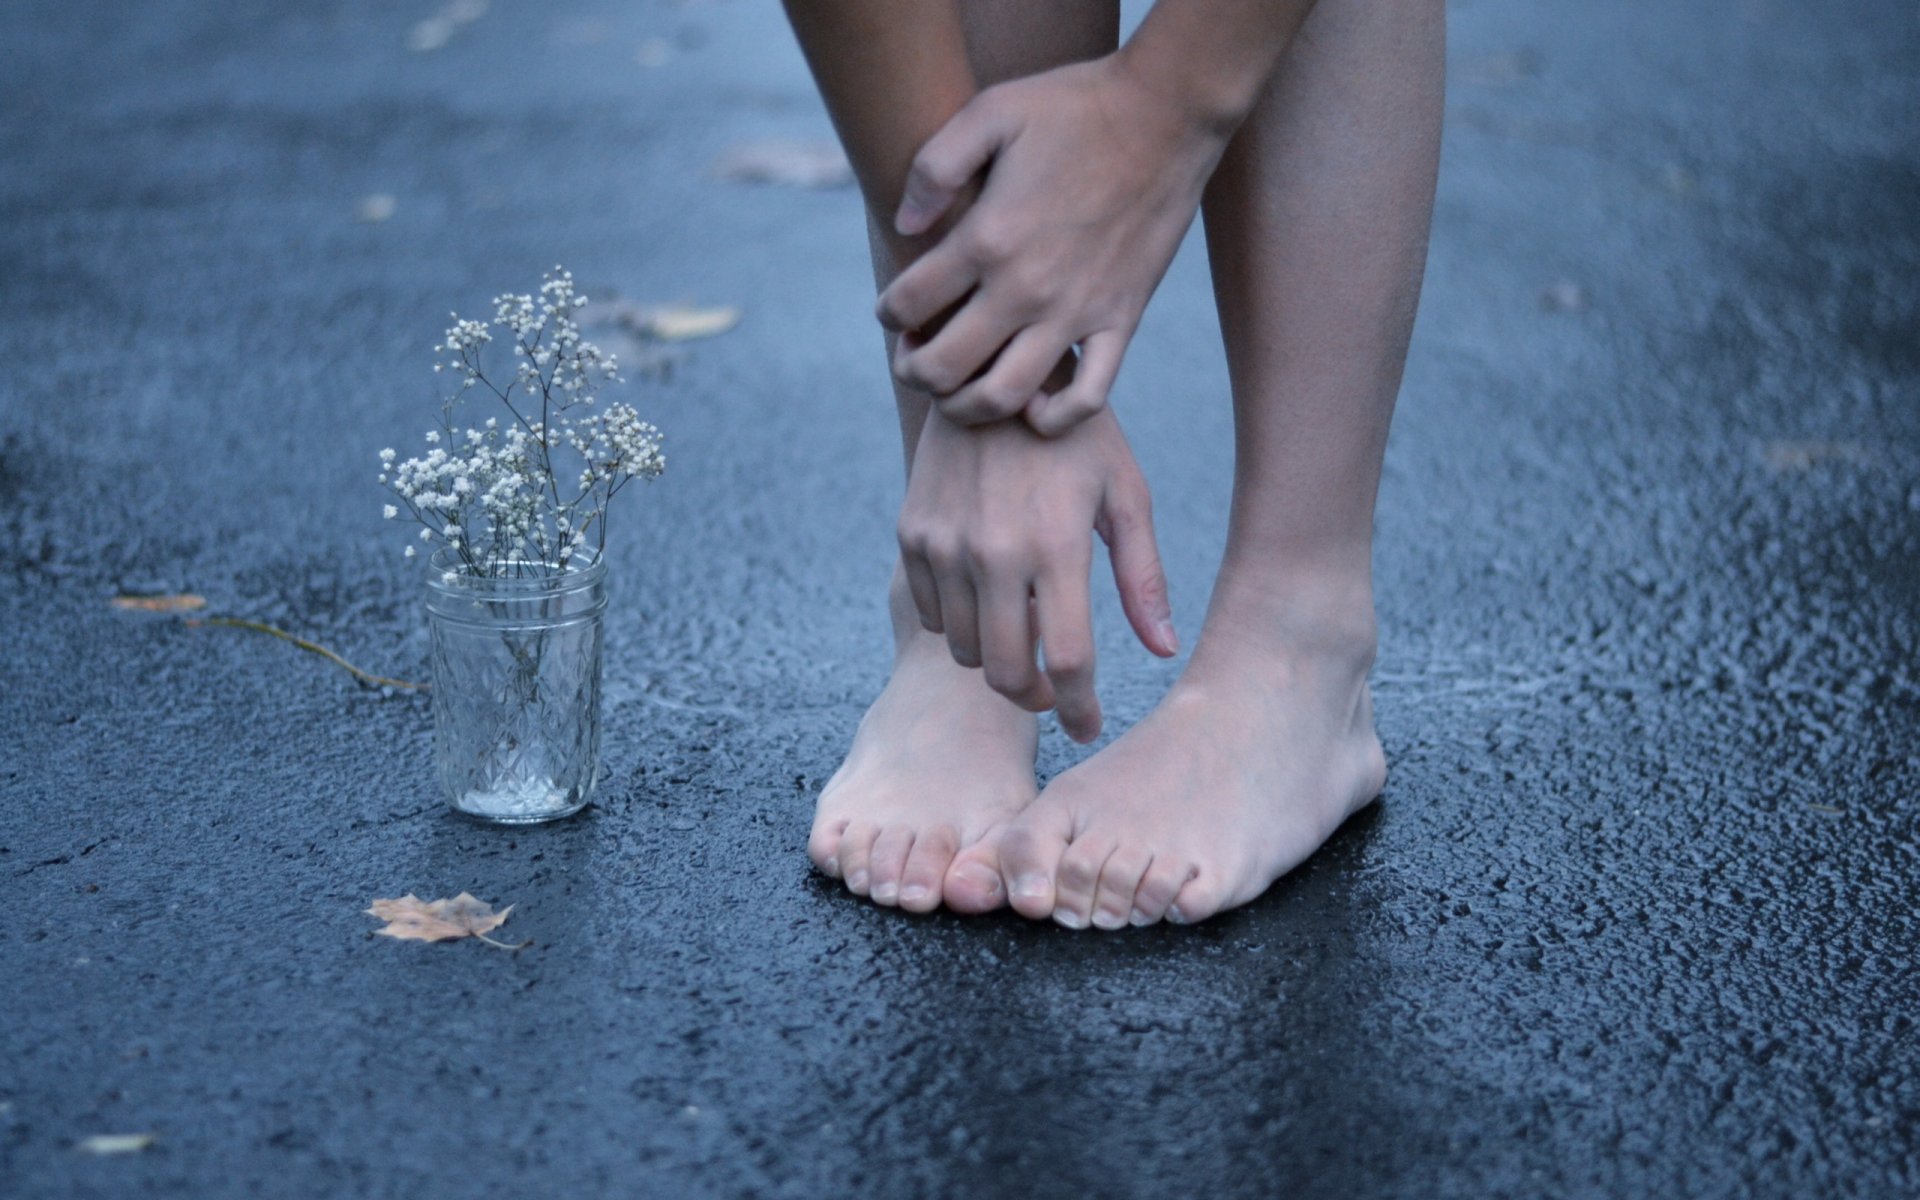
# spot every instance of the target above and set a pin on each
(823, 844)
(1161, 883)
(1077, 878)
(1030, 849)
(856, 855)
(973, 882)
(927, 863)
(889, 862)
(1119, 880)
(1197, 901)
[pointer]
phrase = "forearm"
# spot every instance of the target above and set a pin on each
(1212, 58)
(891, 72)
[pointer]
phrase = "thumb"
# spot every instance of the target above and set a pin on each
(1126, 524)
(949, 161)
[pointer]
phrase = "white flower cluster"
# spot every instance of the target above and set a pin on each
(492, 494)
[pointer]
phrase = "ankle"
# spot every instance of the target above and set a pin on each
(1297, 608)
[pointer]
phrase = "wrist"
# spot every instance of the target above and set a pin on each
(1212, 101)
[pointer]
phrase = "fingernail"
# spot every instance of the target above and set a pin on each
(1069, 918)
(857, 881)
(981, 876)
(1030, 885)
(1175, 915)
(1169, 636)
(912, 217)
(1139, 918)
(1103, 919)
(886, 889)
(913, 891)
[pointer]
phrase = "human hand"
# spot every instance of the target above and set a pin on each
(1095, 177)
(996, 536)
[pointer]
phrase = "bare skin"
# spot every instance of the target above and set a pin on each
(1317, 226)
(941, 758)
(1316, 217)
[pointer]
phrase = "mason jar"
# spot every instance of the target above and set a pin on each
(516, 686)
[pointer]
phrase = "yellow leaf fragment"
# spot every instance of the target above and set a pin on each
(412, 919)
(810, 163)
(186, 602)
(114, 1143)
(681, 322)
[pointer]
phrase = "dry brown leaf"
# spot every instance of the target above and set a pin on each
(1792, 456)
(412, 919)
(114, 1143)
(679, 322)
(185, 602)
(809, 164)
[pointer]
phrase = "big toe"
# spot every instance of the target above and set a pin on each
(973, 881)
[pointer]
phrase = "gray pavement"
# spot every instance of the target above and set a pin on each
(1636, 916)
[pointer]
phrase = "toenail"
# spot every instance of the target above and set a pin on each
(981, 876)
(885, 890)
(832, 866)
(1175, 915)
(1139, 918)
(1030, 885)
(1069, 918)
(857, 880)
(913, 891)
(1106, 920)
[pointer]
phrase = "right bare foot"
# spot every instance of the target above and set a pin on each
(938, 761)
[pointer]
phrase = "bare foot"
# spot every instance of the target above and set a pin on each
(1257, 754)
(938, 761)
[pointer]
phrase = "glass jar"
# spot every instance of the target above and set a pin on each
(516, 686)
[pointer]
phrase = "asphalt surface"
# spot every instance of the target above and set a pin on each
(1635, 917)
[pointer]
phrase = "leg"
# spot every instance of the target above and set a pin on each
(940, 760)
(1316, 228)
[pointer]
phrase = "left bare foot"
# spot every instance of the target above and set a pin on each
(1258, 753)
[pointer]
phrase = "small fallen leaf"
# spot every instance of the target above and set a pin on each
(412, 919)
(1790, 456)
(184, 602)
(796, 163)
(114, 1143)
(1564, 296)
(374, 209)
(677, 322)
(653, 52)
(1498, 70)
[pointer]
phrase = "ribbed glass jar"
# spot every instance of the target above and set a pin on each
(516, 687)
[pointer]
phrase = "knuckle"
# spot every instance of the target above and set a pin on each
(994, 240)
(1009, 678)
(996, 551)
(1069, 667)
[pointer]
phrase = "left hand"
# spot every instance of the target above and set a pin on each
(1094, 180)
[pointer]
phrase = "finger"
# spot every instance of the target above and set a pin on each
(964, 345)
(1010, 381)
(935, 282)
(1066, 639)
(926, 593)
(1006, 650)
(949, 160)
(1126, 522)
(959, 613)
(1053, 413)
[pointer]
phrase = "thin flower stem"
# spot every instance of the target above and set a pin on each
(366, 677)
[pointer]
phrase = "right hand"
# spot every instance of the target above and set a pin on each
(996, 536)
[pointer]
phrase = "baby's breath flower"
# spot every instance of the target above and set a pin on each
(494, 494)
